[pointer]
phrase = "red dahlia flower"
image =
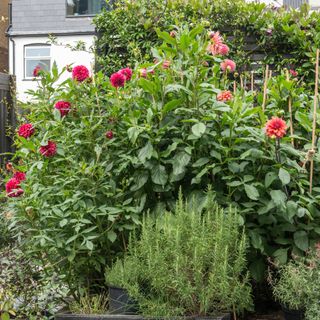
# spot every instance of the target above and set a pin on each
(294, 73)
(80, 73)
(228, 66)
(64, 107)
(127, 72)
(20, 176)
(117, 80)
(49, 150)
(109, 134)
(36, 71)
(276, 128)
(26, 130)
(13, 188)
(224, 96)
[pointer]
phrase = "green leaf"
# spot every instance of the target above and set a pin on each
(166, 37)
(89, 245)
(63, 223)
(199, 129)
(269, 178)
(133, 134)
(112, 236)
(5, 316)
(171, 105)
(200, 162)
(179, 162)
(159, 175)
(147, 86)
(301, 240)
(251, 192)
(281, 255)
(146, 152)
(278, 197)
(284, 176)
(235, 183)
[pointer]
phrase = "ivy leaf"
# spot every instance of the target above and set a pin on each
(159, 175)
(301, 240)
(284, 176)
(251, 192)
(199, 129)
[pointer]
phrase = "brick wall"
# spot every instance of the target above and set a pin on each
(3, 38)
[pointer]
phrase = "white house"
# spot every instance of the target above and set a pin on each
(32, 21)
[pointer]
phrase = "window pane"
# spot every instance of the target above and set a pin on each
(84, 7)
(32, 64)
(38, 52)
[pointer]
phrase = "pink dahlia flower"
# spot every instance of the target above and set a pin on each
(276, 128)
(143, 73)
(223, 50)
(64, 107)
(166, 64)
(80, 73)
(224, 96)
(216, 42)
(294, 73)
(117, 80)
(49, 150)
(127, 72)
(26, 130)
(13, 188)
(228, 66)
(20, 176)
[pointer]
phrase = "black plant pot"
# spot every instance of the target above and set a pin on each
(293, 314)
(221, 317)
(120, 302)
(65, 316)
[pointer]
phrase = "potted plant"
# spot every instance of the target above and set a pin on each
(297, 287)
(187, 264)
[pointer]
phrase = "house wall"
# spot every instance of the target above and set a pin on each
(43, 17)
(59, 53)
(3, 38)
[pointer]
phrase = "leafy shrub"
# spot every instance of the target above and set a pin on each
(122, 151)
(127, 32)
(298, 285)
(187, 263)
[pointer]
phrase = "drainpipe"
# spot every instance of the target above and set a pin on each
(13, 56)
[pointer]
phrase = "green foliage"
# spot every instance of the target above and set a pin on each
(187, 263)
(297, 286)
(97, 304)
(169, 132)
(127, 32)
(31, 291)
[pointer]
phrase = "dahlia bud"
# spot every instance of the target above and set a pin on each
(109, 134)
(69, 68)
(173, 34)
(143, 73)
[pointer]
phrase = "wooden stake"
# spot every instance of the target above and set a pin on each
(265, 87)
(290, 112)
(234, 87)
(241, 82)
(314, 126)
(270, 74)
(252, 80)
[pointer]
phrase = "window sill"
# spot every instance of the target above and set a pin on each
(82, 16)
(30, 79)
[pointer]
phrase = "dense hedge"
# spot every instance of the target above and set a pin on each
(127, 32)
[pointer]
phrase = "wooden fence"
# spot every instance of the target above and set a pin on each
(7, 115)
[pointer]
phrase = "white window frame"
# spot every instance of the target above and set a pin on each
(35, 46)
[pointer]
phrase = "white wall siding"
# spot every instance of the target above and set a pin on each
(60, 54)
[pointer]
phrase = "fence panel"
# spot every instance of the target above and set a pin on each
(7, 115)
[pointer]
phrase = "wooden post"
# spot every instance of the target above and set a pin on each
(314, 126)
(234, 87)
(265, 88)
(241, 82)
(290, 112)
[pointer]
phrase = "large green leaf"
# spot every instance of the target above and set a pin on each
(179, 162)
(199, 129)
(159, 175)
(146, 152)
(251, 191)
(284, 176)
(278, 197)
(301, 240)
